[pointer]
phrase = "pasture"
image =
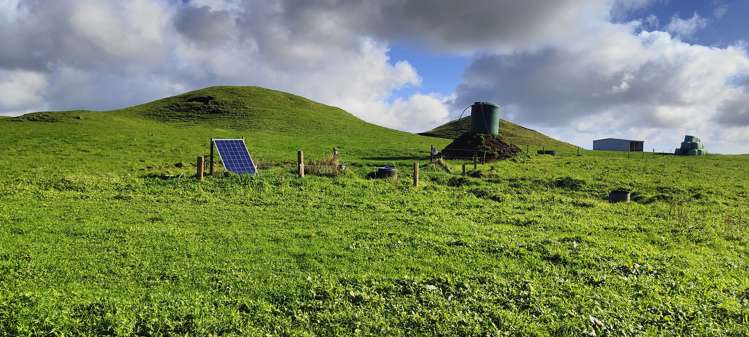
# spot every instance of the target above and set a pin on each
(102, 234)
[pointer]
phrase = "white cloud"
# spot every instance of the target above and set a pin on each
(482, 25)
(615, 81)
(734, 112)
(622, 8)
(651, 22)
(685, 28)
(21, 90)
(206, 26)
(416, 111)
(103, 55)
(570, 67)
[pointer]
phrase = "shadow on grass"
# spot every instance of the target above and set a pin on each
(167, 176)
(396, 158)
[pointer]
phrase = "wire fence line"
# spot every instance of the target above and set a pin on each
(427, 155)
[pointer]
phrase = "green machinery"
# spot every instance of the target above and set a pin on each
(691, 146)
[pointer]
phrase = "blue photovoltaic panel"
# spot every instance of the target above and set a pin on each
(234, 155)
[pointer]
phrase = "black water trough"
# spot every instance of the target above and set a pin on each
(619, 196)
(386, 172)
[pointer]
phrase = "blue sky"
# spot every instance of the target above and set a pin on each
(440, 72)
(727, 19)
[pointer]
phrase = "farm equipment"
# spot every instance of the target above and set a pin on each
(691, 146)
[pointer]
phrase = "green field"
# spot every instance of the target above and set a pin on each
(104, 231)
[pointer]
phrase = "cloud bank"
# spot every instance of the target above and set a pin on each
(573, 68)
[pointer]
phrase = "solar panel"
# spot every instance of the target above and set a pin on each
(234, 155)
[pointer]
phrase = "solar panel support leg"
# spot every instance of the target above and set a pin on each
(210, 169)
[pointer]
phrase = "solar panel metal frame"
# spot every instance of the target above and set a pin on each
(252, 162)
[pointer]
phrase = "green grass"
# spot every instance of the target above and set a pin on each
(100, 234)
(174, 130)
(509, 132)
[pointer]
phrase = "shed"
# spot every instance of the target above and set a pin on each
(615, 144)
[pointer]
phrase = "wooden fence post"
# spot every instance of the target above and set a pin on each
(475, 161)
(416, 174)
(464, 169)
(200, 168)
(300, 163)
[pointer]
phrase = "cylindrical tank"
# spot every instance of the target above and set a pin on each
(485, 118)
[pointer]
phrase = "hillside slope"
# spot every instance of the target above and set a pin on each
(510, 132)
(252, 108)
(177, 129)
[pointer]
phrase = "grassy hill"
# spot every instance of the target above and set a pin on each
(101, 233)
(510, 132)
(177, 129)
(254, 109)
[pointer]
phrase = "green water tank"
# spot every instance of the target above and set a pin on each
(485, 118)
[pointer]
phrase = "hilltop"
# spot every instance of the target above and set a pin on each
(253, 108)
(175, 129)
(509, 132)
(275, 124)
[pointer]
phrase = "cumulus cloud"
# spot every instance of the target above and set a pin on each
(734, 112)
(617, 81)
(108, 36)
(481, 26)
(623, 8)
(416, 111)
(205, 26)
(21, 90)
(685, 28)
(103, 55)
(577, 69)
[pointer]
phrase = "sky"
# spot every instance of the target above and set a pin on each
(578, 70)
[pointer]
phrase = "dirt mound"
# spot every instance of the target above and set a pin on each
(485, 147)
